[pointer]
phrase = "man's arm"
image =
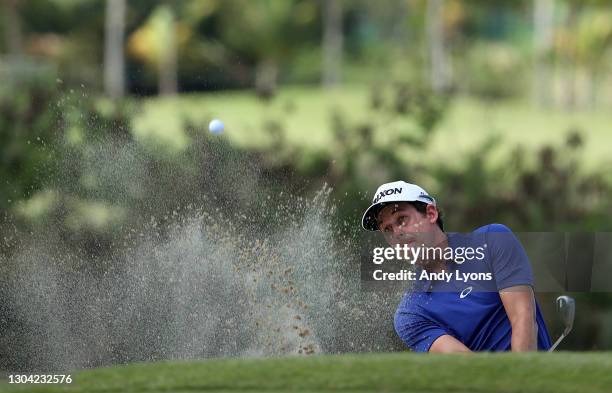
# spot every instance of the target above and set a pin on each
(519, 303)
(447, 344)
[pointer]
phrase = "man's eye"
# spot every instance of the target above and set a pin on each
(402, 221)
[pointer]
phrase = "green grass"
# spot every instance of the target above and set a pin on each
(400, 372)
(520, 123)
(305, 114)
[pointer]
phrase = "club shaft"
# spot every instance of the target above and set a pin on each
(561, 337)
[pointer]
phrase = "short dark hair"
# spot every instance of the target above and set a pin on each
(421, 207)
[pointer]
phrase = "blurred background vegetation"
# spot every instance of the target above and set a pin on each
(501, 109)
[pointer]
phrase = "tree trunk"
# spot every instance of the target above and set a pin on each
(168, 64)
(266, 75)
(590, 79)
(114, 69)
(543, 13)
(12, 23)
(332, 42)
(569, 62)
(400, 28)
(439, 62)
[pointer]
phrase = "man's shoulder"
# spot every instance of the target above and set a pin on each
(493, 228)
(481, 234)
(497, 236)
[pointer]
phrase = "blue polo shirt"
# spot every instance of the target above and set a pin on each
(470, 308)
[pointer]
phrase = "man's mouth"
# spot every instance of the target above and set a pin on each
(407, 240)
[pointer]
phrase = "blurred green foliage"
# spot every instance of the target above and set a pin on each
(28, 122)
(227, 44)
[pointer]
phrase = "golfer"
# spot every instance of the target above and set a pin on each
(458, 315)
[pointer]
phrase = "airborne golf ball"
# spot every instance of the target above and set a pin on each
(216, 126)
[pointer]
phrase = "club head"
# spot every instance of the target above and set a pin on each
(566, 307)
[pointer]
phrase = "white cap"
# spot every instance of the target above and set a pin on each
(397, 191)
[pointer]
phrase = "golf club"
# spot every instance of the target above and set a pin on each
(566, 307)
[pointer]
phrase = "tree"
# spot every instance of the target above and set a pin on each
(12, 23)
(567, 51)
(156, 43)
(543, 13)
(583, 44)
(332, 41)
(168, 60)
(267, 33)
(114, 74)
(439, 60)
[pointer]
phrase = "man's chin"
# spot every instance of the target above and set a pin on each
(404, 241)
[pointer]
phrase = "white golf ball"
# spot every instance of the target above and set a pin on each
(216, 126)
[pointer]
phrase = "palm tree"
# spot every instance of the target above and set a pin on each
(168, 61)
(12, 22)
(155, 42)
(114, 73)
(439, 61)
(543, 13)
(332, 41)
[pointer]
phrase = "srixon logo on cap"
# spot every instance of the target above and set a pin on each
(385, 193)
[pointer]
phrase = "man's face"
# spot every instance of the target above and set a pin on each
(402, 224)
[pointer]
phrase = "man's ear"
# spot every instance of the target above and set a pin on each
(432, 213)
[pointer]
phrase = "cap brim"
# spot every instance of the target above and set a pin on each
(368, 221)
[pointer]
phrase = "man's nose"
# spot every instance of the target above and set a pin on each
(397, 229)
